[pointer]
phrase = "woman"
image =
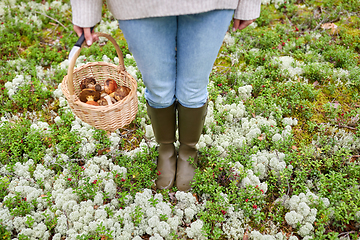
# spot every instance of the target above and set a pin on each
(175, 44)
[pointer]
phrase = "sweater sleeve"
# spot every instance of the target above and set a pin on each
(248, 9)
(86, 13)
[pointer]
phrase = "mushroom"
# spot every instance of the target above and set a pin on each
(110, 100)
(92, 102)
(102, 102)
(120, 93)
(98, 87)
(90, 96)
(88, 83)
(106, 100)
(110, 86)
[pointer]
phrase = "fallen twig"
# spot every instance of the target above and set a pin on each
(346, 233)
(52, 19)
(343, 126)
(67, 220)
(320, 23)
(13, 174)
(56, 26)
(351, 158)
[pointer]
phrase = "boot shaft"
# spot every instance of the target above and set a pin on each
(163, 122)
(191, 123)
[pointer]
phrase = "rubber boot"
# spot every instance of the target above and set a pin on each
(191, 123)
(163, 121)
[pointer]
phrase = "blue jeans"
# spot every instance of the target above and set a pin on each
(175, 54)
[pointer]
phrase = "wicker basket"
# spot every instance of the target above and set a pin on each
(109, 117)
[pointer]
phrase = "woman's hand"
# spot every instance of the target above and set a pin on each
(89, 37)
(241, 24)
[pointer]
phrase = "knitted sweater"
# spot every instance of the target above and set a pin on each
(87, 13)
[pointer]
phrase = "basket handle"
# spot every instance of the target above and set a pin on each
(76, 55)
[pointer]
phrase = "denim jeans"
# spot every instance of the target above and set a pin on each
(175, 54)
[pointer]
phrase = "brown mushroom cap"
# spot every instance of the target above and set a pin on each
(87, 83)
(121, 92)
(92, 103)
(98, 87)
(86, 93)
(110, 86)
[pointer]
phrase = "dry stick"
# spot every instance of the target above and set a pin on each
(287, 180)
(353, 156)
(343, 126)
(128, 130)
(52, 19)
(67, 220)
(147, 141)
(290, 23)
(346, 233)
(326, 19)
(57, 25)
(320, 23)
(29, 179)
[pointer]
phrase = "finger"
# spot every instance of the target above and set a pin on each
(244, 24)
(78, 30)
(236, 24)
(95, 37)
(88, 36)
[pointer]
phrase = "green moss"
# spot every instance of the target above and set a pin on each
(269, 16)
